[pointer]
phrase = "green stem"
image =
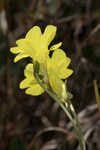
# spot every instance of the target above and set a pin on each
(96, 89)
(76, 125)
(79, 131)
(74, 121)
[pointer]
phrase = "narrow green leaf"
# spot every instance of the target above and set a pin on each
(97, 93)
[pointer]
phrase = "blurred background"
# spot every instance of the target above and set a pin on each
(37, 123)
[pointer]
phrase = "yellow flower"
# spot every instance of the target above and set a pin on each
(30, 83)
(35, 44)
(53, 69)
(57, 70)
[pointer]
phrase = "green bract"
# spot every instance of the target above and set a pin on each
(53, 69)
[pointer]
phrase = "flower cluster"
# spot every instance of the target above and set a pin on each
(53, 68)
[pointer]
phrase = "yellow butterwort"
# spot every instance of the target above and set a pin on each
(57, 70)
(35, 45)
(30, 83)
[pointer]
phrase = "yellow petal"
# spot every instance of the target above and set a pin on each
(23, 49)
(20, 56)
(65, 73)
(34, 37)
(56, 46)
(28, 71)
(55, 82)
(26, 83)
(25, 46)
(60, 56)
(34, 90)
(30, 79)
(34, 33)
(59, 62)
(15, 50)
(49, 34)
